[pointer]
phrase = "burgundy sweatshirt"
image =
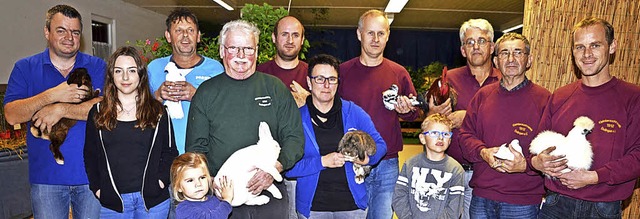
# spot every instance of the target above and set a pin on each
(615, 139)
(364, 86)
(496, 116)
(298, 74)
(466, 85)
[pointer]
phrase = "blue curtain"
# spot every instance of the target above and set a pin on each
(414, 48)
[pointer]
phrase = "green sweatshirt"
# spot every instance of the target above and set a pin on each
(225, 114)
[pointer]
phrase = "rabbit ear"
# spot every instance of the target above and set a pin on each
(264, 133)
(361, 150)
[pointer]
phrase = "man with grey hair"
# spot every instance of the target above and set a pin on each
(476, 40)
(363, 79)
(226, 110)
(505, 187)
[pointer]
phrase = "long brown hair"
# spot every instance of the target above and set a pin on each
(148, 109)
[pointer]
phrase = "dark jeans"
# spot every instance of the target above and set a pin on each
(560, 206)
(482, 208)
(274, 209)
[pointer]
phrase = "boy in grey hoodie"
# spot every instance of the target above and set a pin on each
(431, 184)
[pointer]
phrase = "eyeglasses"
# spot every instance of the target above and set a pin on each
(472, 42)
(516, 54)
(235, 50)
(321, 79)
(437, 134)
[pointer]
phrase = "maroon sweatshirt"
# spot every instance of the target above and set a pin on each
(364, 86)
(615, 139)
(496, 116)
(466, 86)
(298, 74)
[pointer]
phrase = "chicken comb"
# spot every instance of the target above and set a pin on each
(444, 86)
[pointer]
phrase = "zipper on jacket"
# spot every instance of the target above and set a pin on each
(106, 158)
(153, 143)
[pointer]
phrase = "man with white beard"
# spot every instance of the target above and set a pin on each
(226, 110)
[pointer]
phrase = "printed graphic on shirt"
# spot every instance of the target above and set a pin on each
(263, 101)
(609, 125)
(202, 77)
(430, 186)
(522, 129)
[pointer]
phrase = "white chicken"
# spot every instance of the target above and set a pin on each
(575, 147)
(504, 152)
(175, 74)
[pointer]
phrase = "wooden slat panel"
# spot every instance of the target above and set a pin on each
(548, 25)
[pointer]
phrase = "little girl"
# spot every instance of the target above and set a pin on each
(193, 189)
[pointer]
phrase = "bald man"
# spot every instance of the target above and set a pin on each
(288, 36)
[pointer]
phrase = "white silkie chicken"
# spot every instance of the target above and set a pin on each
(575, 147)
(175, 74)
(243, 164)
(504, 152)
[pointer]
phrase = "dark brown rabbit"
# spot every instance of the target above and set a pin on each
(354, 145)
(58, 132)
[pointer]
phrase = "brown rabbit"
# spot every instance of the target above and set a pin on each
(58, 132)
(354, 145)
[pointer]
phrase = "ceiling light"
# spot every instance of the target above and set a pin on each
(395, 6)
(512, 28)
(224, 5)
(390, 17)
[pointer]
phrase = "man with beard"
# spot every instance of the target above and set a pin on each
(38, 93)
(227, 109)
(288, 36)
(497, 114)
(614, 105)
(476, 39)
(183, 34)
(362, 80)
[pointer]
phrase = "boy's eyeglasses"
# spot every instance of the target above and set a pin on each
(436, 134)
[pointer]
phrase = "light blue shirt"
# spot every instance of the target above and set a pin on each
(200, 73)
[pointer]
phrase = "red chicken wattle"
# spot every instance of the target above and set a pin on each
(440, 90)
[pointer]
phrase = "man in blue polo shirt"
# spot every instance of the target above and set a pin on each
(37, 93)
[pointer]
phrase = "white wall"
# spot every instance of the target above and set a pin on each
(22, 26)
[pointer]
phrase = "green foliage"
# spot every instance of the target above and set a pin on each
(423, 77)
(151, 50)
(159, 47)
(209, 47)
(265, 18)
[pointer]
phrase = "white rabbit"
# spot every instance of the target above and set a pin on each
(241, 166)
